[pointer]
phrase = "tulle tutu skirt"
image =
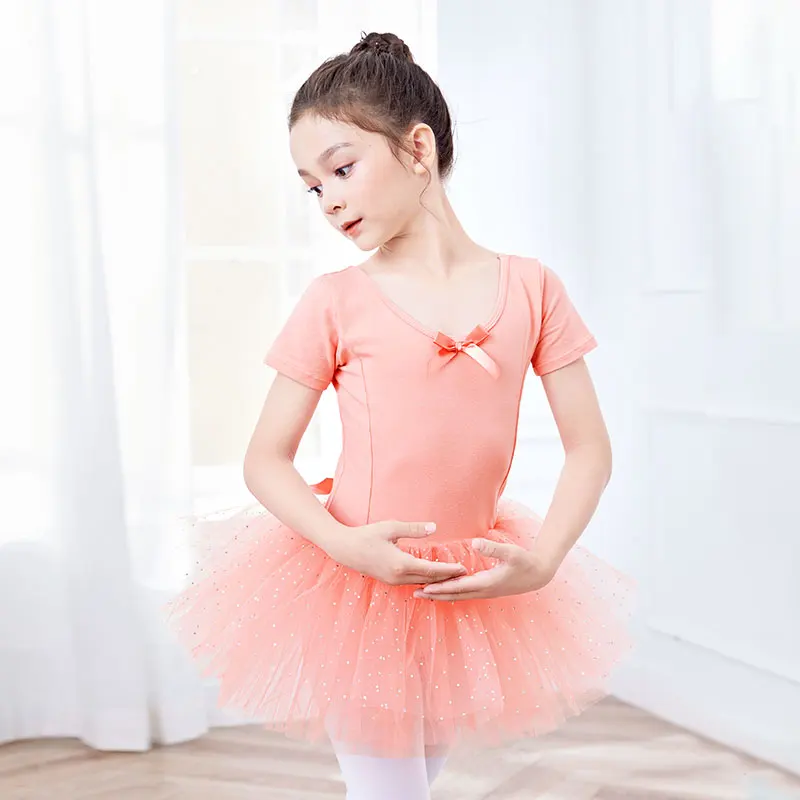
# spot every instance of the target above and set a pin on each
(316, 650)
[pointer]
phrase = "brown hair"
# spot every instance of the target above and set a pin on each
(379, 88)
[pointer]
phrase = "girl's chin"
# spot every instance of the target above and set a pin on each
(364, 243)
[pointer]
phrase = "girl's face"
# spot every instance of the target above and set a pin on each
(356, 178)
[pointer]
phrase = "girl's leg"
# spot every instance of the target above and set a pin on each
(435, 758)
(372, 778)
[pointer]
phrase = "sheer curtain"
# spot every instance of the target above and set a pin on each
(147, 223)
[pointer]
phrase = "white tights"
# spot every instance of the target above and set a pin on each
(372, 778)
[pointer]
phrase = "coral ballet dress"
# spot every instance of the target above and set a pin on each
(315, 649)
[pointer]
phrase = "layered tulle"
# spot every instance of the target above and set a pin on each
(315, 649)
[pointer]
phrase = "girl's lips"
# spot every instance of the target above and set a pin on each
(353, 228)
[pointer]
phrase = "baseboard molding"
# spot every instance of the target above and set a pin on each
(744, 708)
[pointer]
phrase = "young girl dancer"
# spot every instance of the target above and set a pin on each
(416, 607)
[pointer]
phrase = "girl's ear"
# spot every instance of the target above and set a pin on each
(422, 144)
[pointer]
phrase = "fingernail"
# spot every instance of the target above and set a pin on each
(430, 527)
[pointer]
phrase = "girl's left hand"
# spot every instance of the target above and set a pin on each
(520, 571)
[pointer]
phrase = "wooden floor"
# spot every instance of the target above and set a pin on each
(612, 752)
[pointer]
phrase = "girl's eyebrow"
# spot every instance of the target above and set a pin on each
(326, 154)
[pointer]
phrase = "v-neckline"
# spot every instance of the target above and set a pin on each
(499, 304)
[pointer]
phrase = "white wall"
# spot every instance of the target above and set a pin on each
(643, 150)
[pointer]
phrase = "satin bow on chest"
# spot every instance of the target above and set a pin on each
(449, 348)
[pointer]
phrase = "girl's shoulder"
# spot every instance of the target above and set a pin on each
(335, 293)
(333, 280)
(533, 276)
(529, 268)
(326, 288)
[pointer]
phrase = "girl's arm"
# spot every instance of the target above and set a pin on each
(586, 472)
(587, 465)
(269, 470)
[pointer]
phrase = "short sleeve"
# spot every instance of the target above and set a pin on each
(307, 345)
(563, 335)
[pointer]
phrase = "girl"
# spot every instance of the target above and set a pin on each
(415, 607)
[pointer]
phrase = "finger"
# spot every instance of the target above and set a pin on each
(500, 550)
(430, 571)
(426, 580)
(426, 566)
(409, 530)
(478, 581)
(443, 597)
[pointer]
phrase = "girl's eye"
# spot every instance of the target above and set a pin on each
(317, 190)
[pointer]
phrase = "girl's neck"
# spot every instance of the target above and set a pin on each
(434, 244)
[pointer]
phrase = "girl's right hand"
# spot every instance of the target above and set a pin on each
(371, 550)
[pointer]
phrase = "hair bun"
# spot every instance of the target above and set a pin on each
(383, 43)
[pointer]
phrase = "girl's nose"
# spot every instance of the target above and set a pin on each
(333, 205)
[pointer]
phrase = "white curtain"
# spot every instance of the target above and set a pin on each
(96, 453)
(95, 465)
